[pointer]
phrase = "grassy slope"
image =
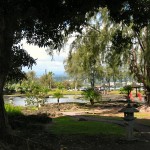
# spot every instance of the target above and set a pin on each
(67, 125)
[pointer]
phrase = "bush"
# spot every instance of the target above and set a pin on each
(123, 91)
(126, 89)
(92, 95)
(37, 96)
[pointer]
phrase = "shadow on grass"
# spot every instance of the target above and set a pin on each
(28, 122)
(71, 141)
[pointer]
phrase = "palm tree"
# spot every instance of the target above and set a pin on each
(58, 95)
(92, 95)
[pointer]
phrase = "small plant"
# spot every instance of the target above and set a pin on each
(13, 110)
(58, 95)
(92, 95)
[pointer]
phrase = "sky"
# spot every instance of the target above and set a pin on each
(45, 62)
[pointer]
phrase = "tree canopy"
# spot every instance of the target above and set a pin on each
(19, 58)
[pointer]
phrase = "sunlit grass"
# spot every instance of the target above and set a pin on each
(65, 92)
(67, 125)
(13, 110)
(114, 92)
(142, 115)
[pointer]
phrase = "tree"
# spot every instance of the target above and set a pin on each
(31, 75)
(74, 69)
(19, 58)
(92, 95)
(134, 16)
(36, 96)
(87, 50)
(129, 11)
(131, 47)
(47, 79)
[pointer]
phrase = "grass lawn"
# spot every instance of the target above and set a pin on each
(142, 115)
(67, 125)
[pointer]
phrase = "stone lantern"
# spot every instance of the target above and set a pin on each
(129, 119)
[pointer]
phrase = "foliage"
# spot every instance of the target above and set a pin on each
(31, 75)
(65, 92)
(129, 11)
(67, 125)
(126, 89)
(47, 80)
(9, 88)
(92, 95)
(58, 94)
(131, 41)
(86, 52)
(19, 58)
(13, 110)
(60, 85)
(123, 91)
(36, 96)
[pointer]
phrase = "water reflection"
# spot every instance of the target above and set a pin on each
(20, 101)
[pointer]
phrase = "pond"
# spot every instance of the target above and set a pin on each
(20, 101)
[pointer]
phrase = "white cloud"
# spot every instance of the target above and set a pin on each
(45, 61)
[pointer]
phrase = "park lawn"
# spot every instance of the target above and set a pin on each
(142, 115)
(69, 126)
(143, 118)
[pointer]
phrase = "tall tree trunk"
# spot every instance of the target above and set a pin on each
(76, 84)
(6, 43)
(148, 98)
(91, 101)
(109, 85)
(58, 104)
(4, 126)
(92, 80)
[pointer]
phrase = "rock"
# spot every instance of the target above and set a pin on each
(82, 119)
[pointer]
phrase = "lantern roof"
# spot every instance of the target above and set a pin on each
(129, 109)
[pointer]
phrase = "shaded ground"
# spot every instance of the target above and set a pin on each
(29, 131)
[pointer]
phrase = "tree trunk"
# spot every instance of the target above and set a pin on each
(109, 85)
(148, 98)
(4, 125)
(76, 85)
(6, 43)
(92, 102)
(92, 80)
(58, 104)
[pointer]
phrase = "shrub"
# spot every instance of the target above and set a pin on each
(37, 96)
(126, 89)
(92, 95)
